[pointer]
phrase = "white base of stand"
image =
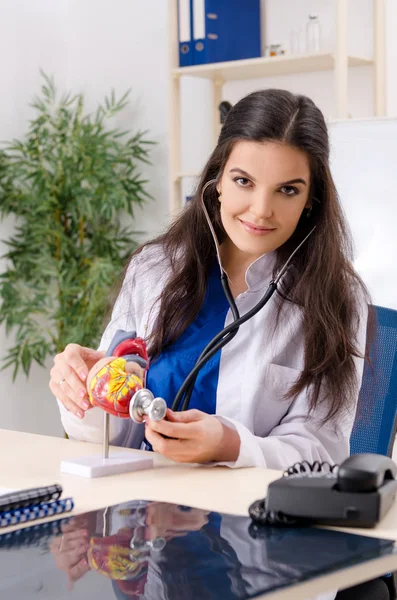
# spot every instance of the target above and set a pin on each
(96, 466)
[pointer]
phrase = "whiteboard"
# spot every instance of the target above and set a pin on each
(364, 167)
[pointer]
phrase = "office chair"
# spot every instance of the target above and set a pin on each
(375, 426)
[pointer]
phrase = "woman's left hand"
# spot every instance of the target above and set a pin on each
(192, 436)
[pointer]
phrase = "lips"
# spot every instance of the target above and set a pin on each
(256, 228)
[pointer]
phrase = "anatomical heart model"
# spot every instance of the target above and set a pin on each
(114, 379)
(116, 385)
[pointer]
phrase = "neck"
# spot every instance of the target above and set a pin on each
(235, 262)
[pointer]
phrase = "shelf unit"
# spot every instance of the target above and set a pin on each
(220, 73)
(252, 68)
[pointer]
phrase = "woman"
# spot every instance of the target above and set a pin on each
(285, 388)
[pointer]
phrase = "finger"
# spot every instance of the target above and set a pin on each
(173, 430)
(77, 571)
(75, 534)
(69, 551)
(71, 406)
(134, 369)
(61, 386)
(74, 547)
(91, 356)
(73, 356)
(185, 416)
(78, 523)
(169, 448)
(66, 379)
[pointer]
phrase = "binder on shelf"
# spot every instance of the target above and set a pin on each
(224, 31)
(185, 29)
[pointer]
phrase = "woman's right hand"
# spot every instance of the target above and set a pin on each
(69, 375)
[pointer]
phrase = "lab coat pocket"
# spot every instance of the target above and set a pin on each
(272, 406)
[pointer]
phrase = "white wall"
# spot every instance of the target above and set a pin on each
(89, 46)
(123, 44)
(32, 35)
(93, 45)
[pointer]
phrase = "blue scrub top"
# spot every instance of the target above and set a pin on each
(167, 373)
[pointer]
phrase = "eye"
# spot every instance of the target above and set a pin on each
(289, 190)
(242, 181)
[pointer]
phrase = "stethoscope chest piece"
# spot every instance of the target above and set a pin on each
(144, 403)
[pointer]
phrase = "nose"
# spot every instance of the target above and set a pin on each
(262, 204)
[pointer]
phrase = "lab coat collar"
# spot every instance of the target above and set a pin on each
(259, 273)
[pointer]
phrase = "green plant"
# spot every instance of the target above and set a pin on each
(69, 185)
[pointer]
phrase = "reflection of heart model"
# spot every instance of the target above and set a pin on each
(113, 557)
(111, 387)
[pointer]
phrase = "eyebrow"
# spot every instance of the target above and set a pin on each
(238, 170)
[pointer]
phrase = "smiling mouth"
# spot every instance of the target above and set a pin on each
(256, 228)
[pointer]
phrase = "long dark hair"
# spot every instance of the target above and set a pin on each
(322, 281)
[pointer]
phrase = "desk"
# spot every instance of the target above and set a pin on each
(28, 460)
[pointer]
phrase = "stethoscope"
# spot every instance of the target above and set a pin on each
(138, 542)
(143, 402)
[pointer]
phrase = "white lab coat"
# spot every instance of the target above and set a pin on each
(256, 369)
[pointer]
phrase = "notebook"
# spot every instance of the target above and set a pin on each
(20, 506)
(157, 550)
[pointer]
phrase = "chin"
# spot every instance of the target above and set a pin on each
(256, 246)
(256, 251)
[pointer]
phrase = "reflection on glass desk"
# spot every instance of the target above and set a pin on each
(159, 551)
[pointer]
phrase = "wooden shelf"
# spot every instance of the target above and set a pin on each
(180, 176)
(267, 67)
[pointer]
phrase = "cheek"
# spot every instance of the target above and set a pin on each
(234, 203)
(289, 215)
(228, 216)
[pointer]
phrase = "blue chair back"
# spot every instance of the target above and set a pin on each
(375, 425)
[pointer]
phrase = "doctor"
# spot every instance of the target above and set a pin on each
(285, 388)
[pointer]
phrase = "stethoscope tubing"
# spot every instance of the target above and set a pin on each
(226, 335)
(218, 342)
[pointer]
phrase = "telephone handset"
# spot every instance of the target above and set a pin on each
(358, 493)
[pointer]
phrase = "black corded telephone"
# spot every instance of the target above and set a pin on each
(358, 493)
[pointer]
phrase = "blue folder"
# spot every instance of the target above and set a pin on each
(226, 30)
(185, 32)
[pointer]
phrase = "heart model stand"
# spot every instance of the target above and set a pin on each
(122, 395)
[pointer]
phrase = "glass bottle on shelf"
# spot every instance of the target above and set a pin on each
(297, 41)
(313, 35)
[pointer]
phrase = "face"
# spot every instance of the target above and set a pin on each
(264, 189)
